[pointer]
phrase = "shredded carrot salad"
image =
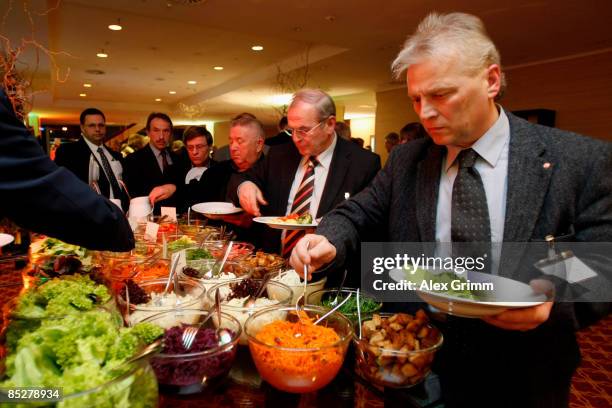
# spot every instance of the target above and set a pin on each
(282, 368)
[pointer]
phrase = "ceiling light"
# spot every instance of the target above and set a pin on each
(257, 48)
(83, 95)
(157, 99)
(192, 82)
(102, 54)
(64, 128)
(172, 92)
(116, 27)
(218, 68)
(87, 85)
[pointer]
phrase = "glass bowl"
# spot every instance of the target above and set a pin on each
(402, 359)
(239, 250)
(303, 368)
(275, 294)
(136, 387)
(323, 297)
(190, 296)
(231, 270)
(137, 271)
(298, 289)
(264, 263)
(190, 371)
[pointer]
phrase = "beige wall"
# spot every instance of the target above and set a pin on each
(221, 133)
(578, 89)
(393, 111)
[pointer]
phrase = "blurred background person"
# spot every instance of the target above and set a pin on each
(412, 131)
(391, 140)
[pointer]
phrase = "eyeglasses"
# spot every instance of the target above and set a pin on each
(301, 132)
(193, 148)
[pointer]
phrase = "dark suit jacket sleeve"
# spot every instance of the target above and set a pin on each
(364, 212)
(42, 197)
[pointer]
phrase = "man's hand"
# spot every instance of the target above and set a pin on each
(527, 318)
(320, 253)
(161, 193)
(250, 197)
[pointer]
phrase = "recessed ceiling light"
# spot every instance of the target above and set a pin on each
(218, 68)
(157, 99)
(116, 27)
(87, 85)
(192, 82)
(102, 54)
(83, 95)
(64, 128)
(172, 92)
(257, 48)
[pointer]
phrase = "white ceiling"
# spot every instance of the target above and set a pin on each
(347, 46)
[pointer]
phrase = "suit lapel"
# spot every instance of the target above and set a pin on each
(528, 181)
(286, 176)
(336, 175)
(427, 184)
(153, 164)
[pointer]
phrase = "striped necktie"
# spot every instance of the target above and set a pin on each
(301, 205)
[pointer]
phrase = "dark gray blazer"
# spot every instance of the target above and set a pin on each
(570, 198)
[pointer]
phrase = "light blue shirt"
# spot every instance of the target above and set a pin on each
(492, 165)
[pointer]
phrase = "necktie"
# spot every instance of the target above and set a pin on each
(470, 221)
(164, 158)
(109, 174)
(301, 205)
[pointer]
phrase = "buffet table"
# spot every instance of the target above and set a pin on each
(245, 389)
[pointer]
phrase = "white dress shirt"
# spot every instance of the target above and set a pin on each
(95, 165)
(195, 173)
(321, 171)
(492, 165)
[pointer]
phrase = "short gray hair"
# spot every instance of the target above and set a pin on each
(247, 119)
(445, 34)
(323, 103)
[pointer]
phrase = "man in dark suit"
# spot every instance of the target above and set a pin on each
(91, 161)
(42, 197)
(155, 171)
(282, 137)
(525, 182)
(280, 183)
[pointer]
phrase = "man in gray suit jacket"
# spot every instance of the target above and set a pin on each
(533, 181)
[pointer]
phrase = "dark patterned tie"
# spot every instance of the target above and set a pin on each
(470, 221)
(301, 205)
(164, 157)
(470, 214)
(109, 174)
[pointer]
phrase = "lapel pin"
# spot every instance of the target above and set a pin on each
(547, 165)
(347, 196)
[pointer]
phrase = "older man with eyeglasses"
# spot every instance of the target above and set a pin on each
(311, 175)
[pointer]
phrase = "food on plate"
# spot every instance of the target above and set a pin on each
(444, 278)
(397, 350)
(305, 218)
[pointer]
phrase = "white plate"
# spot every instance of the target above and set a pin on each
(505, 289)
(6, 239)
(214, 209)
(273, 222)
